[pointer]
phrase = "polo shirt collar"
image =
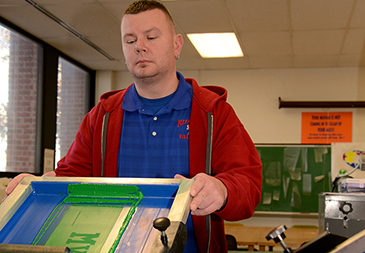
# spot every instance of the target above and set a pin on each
(180, 100)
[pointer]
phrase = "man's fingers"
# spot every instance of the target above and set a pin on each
(198, 200)
(209, 194)
(199, 192)
(13, 183)
(198, 184)
(16, 180)
(202, 212)
(49, 174)
(178, 176)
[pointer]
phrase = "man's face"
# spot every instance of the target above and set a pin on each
(150, 44)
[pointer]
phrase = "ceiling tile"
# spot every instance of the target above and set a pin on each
(322, 33)
(189, 50)
(200, 16)
(33, 22)
(191, 63)
(326, 42)
(110, 44)
(349, 61)
(116, 9)
(258, 62)
(320, 14)
(322, 61)
(62, 2)
(190, 58)
(358, 19)
(259, 15)
(354, 42)
(228, 63)
(107, 65)
(266, 43)
(87, 19)
(124, 2)
(7, 3)
(76, 48)
(362, 61)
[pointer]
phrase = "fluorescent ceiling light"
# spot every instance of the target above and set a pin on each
(216, 45)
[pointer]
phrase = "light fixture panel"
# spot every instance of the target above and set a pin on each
(216, 45)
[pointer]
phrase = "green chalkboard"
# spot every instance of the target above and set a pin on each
(293, 176)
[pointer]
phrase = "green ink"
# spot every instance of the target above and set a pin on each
(89, 212)
(80, 249)
(83, 238)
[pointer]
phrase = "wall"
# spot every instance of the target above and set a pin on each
(254, 96)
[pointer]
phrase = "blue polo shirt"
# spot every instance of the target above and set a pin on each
(154, 140)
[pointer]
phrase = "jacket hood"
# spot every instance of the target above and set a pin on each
(113, 99)
(206, 96)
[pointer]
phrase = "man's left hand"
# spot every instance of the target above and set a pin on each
(209, 194)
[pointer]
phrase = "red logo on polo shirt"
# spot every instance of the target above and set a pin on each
(181, 123)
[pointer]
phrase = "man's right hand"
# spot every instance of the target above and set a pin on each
(16, 180)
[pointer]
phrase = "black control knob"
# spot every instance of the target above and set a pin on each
(346, 208)
(277, 234)
(162, 224)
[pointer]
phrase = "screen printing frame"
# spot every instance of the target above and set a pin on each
(179, 210)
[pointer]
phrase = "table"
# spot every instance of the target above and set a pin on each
(251, 236)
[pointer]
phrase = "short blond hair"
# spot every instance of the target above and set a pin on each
(147, 5)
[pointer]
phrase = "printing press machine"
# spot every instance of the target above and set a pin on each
(341, 218)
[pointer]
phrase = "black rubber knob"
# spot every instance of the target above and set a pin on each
(346, 208)
(161, 223)
(277, 233)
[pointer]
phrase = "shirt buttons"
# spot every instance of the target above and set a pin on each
(154, 133)
(155, 118)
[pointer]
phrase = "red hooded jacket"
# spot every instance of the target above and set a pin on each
(234, 159)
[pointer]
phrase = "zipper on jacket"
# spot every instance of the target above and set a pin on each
(208, 171)
(104, 130)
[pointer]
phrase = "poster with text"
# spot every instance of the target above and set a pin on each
(326, 128)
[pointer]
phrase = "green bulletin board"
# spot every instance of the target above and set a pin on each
(293, 176)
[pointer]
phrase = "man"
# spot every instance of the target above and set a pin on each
(158, 127)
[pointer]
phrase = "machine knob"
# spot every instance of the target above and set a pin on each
(277, 234)
(346, 208)
(162, 224)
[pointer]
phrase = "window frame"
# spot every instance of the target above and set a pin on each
(47, 96)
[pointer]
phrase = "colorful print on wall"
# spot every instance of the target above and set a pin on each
(345, 157)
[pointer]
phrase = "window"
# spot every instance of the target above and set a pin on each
(44, 96)
(19, 79)
(72, 103)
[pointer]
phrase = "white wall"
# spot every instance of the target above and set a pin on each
(254, 96)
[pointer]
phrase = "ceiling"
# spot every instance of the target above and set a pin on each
(272, 33)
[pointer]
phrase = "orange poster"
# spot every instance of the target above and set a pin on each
(325, 128)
